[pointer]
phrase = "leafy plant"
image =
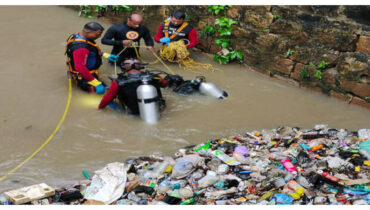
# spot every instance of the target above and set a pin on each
(218, 8)
(276, 16)
(225, 22)
(289, 52)
(323, 64)
(304, 73)
(224, 59)
(224, 43)
(318, 70)
(224, 25)
(266, 30)
(208, 30)
(317, 73)
(100, 9)
(85, 10)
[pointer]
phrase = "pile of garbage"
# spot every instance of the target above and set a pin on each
(282, 166)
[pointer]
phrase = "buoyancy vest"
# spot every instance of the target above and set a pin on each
(127, 96)
(94, 60)
(176, 33)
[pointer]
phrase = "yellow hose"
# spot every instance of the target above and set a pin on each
(50, 137)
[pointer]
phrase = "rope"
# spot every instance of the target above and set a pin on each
(177, 52)
(137, 54)
(50, 137)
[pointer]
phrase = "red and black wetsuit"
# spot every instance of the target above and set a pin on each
(187, 32)
(117, 33)
(125, 89)
(84, 60)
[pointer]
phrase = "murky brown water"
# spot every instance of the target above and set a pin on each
(34, 92)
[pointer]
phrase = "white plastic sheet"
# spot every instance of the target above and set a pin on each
(108, 184)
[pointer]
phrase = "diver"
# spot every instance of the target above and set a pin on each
(176, 29)
(84, 58)
(126, 85)
(196, 85)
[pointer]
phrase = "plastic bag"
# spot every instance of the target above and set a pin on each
(185, 165)
(282, 199)
(108, 184)
(363, 134)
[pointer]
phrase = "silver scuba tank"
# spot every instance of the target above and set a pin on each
(211, 89)
(148, 104)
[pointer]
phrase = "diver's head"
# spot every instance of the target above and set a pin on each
(92, 30)
(174, 80)
(131, 64)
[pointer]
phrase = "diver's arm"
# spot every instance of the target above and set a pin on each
(159, 34)
(108, 38)
(193, 38)
(80, 58)
(111, 94)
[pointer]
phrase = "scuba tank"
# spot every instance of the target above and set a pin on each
(210, 89)
(147, 98)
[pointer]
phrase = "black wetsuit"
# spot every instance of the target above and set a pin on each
(127, 86)
(117, 33)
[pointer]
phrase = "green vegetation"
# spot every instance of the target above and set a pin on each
(304, 73)
(289, 52)
(218, 8)
(101, 10)
(276, 16)
(317, 70)
(224, 25)
(208, 31)
(223, 29)
(232, 55)
(86, 11)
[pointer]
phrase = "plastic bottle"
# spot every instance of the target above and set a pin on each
(160, 169)
(290, 176)
(363, 134)
(175, 193)
(189, 201)
(121, 202)
(318, 147)
(222, 169)
(225, 158)
(240, 158)
(328, 176)
(279, 182)
(303, 182)
(210, 179)
(132, 196)
(289, 166)
(4, 200)
(293, 185)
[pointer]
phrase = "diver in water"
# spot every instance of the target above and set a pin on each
(197, 85)
(84, 58)
(125, 87)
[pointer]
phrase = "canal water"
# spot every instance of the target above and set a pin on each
(34, 91)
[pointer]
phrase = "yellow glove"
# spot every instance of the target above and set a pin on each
(94, 82)
(99, 88)
(110, 57)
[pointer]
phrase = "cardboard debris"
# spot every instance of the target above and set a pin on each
(31, 193)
